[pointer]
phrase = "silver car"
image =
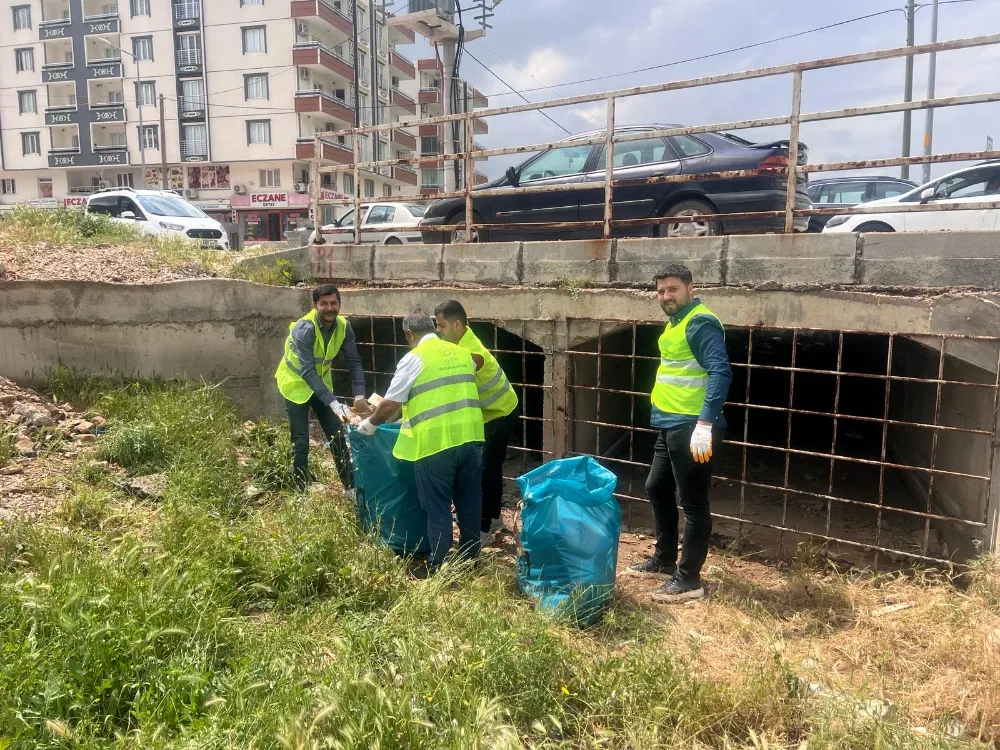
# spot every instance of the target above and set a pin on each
(381, 223)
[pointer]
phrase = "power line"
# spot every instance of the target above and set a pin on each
(523, 97)
(720, 53)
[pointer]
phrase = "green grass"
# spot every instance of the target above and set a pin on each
(220, 621)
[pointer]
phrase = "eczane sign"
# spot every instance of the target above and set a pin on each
(269, 200)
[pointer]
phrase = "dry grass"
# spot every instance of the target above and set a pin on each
(935, 660)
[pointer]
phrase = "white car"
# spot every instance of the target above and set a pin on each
(978, 184)
(381, 223)
(159, 212)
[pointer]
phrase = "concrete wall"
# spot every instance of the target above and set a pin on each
(929, 260)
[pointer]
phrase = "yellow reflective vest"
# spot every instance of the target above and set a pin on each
(681, 383)
(496, 395)
(289, 372)
(442, 410)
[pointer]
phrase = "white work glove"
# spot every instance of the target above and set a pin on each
(701, 443)
(367, 428)
(342, 412)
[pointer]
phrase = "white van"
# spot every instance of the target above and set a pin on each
(160, 212)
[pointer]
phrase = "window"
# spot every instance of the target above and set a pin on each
(118, 139)
(347, 220)
(244, 3)
(635, 153)
(22, 17)
(978, 183)
(255, 86)
(116, 97)
(688, 146)
(24, 59)
(140, 8)
(149, 137)
(27, 103)
(349, 184)
(254, 39)
(258, 132)
(106, 205)
(328, 181)
(369, 188)
(146, 93)
(270, 178)
(31, 144)
(891, 189)
(381, 215)
(557, 163)
(142, 47)
(124, 179)
(195, 140)
(8, 187)
(851, 193)
(429, 144)
(193, 94)
(387, 191)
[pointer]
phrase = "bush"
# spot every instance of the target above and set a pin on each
(27, 225)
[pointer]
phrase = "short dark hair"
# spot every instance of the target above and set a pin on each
(418, 322)
(452, 310)
(675, 271)
(324, 290)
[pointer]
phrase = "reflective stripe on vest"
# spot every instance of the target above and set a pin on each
(442, 408)
(497, 397)
(681, 382)
(289, 372)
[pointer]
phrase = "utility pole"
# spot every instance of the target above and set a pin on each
(931, 80)
(911, 13)
(163, 147)
(449, 48)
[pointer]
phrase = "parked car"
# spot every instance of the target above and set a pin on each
(159, 212)
(382, 223)
(970, 185)
(635, 199)
(845, 192)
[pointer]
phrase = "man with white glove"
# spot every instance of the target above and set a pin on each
(690, 390)
(305, 379)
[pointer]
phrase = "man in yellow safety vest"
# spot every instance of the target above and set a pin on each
(442, 434)
(305, 380)
(692, 381)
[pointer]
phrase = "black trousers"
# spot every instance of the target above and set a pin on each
(675, 475)
(298, 424)
(498, 435)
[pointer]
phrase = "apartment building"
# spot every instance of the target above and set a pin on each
(425, 87)
(245, 85)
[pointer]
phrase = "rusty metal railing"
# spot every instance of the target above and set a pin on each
(794, 119)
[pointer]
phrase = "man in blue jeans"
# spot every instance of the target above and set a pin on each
(692, 382)
(442, 434)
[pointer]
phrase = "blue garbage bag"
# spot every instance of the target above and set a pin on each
(570, 526)
(386, 492)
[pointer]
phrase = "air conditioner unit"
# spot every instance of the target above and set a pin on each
(304, 74)
(190, 193)
(301, 187)
(103, 185)
(240, 189)
(302, 27)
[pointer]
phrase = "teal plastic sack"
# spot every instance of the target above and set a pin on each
(386, 492)
(570, 525)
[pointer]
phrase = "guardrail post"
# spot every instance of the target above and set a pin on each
(609, 167)
(357, 188)
(793, 152)
(469, 167)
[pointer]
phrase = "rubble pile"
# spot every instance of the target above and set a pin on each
(107, 263)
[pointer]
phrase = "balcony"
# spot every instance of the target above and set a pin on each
(104, 69)
(338, 153)
(187, 15)
(62, 115)
(194, 150)
(318, 55)
(57, 28)
(478, 178)
(479, 126)
(192, 107)
(336, 18)
(402, 66)
(405, 174)
(109, 112)
(404, 140)
(319, 102)
(401, 101)
(428, 131)
(429, 96)
(64, 156)
(190, 61)
(56, 72)
(427, 63)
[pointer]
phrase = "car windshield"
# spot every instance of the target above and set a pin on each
(162, 205)
(416, 209)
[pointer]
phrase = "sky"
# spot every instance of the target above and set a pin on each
(537, 43)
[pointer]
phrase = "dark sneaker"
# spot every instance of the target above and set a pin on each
(676, 590)
(652, 567)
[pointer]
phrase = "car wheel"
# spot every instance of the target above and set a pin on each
(393, 241)
(689, 228)
(458, 235)
(874, 226)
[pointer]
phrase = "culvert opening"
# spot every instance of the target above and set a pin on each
(868, 444)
